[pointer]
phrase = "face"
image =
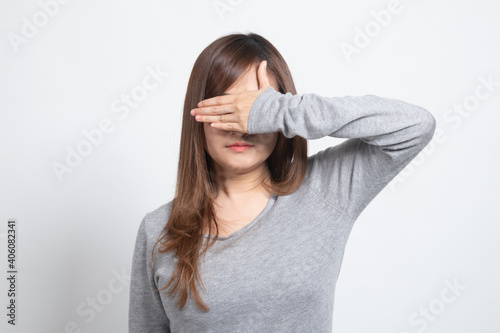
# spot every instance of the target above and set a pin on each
(228, 160)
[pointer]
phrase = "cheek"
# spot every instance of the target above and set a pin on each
(213, 138)
(267, 139)
(209, 138)
(268, 142)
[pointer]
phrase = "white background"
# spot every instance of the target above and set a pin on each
(436, 224)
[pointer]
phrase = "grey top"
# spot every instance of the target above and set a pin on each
(278, 273)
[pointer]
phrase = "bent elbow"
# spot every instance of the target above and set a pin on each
(427, 126)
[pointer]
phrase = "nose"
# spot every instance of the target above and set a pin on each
(240, 135)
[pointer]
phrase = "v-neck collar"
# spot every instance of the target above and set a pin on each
(242, 230)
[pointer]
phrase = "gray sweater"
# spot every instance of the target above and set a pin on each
(278, 273)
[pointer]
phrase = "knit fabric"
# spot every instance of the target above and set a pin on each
(278, 273)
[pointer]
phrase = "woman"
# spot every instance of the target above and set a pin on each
(254, 238)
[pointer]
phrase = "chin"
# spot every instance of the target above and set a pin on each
(239, 166)
(242, 166)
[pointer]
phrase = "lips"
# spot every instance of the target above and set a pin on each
(240, 144)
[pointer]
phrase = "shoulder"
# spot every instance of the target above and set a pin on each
(154, 221)
(330, 172)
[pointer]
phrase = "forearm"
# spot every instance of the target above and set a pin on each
(391, 124)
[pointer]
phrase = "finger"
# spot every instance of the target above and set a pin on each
(262, 76)
(227, 118)
(217, 100)
(208, 110)
(230, 127)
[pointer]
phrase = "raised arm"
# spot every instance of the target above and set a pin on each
(384, 136)
(146, 313)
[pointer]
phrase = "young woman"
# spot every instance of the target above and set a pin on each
(254, 238)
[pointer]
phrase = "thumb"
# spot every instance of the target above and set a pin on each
(262, 76)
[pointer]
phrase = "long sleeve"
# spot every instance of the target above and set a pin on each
(383, 134)
(146, 312)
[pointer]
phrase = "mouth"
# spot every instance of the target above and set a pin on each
(240, 144)
(239, 147)
(232, 146)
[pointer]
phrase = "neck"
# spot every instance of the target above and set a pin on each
(239, 185)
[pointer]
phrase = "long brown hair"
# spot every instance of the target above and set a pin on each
(217, 67)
